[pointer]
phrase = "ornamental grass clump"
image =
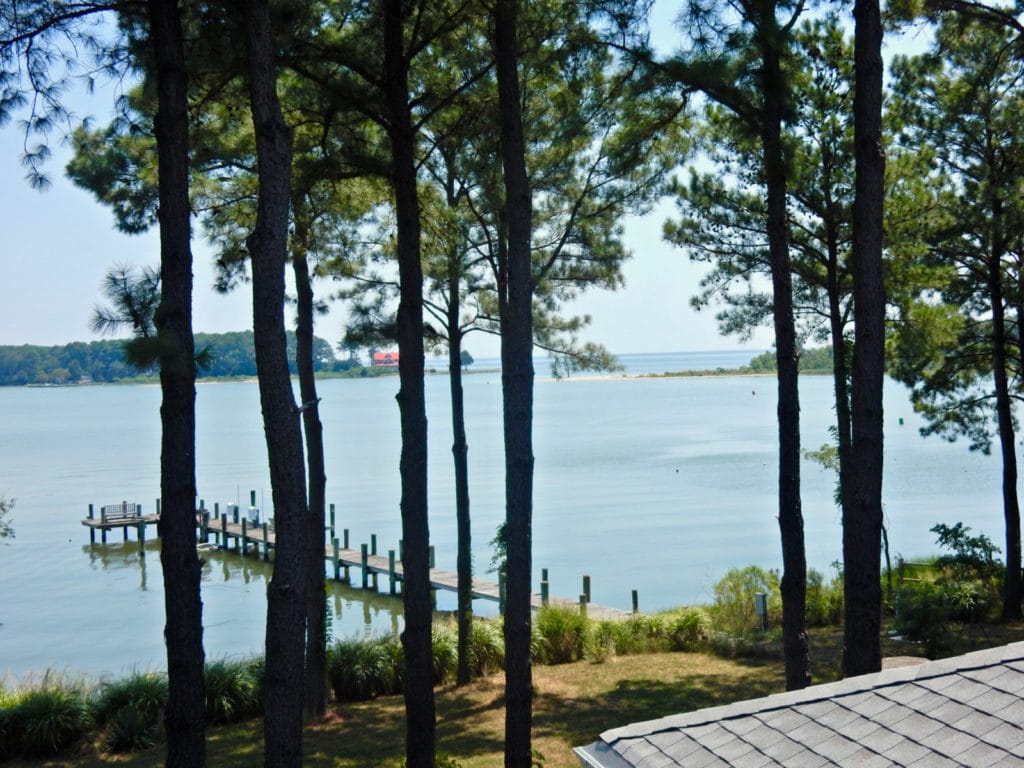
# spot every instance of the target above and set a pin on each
(486, 648)
(563, 633)
(45, 719)
(359, 669)
(234, 689)
(687, 629)
(445, 646)
(130, 711)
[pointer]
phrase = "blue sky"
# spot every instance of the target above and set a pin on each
(58, 244)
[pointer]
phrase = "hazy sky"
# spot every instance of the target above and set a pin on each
(58, 244)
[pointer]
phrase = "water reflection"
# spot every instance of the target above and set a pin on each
(228, 577)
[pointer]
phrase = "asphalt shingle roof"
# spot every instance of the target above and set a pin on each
(964, 711)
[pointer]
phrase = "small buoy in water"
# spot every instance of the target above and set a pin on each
(753, 391)
(901, 421)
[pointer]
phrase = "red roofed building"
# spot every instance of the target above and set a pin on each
(386, 359)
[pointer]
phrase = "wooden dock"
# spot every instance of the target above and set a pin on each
(235, 531)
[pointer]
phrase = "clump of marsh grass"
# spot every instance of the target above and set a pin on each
(45, 719)
(359, 669)
(130, 711)
(234, 689)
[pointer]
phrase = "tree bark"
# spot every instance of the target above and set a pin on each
(416, 640)
(268, 246)
(184, 715)
(862, 518)
(316, 606)
(515, 304)
(791, 524)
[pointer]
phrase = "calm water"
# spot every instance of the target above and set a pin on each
(658, 485)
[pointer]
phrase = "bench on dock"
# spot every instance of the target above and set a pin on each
(120, 513)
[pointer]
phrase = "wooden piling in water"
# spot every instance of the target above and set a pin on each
(337, 569)
(266, 544)
(364, 554)
(245, 536)
(586, 587)
(636, 601)
(391, 571)
(92, 531)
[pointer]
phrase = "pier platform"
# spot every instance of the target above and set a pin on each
(234, 531)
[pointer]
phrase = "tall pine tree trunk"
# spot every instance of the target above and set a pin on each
(268, 247)
(517, 387)
(862, 516)
(420, 723)
(1004, 419)
(791, 522)
(460, 458)
(184, 715)
(316, 606)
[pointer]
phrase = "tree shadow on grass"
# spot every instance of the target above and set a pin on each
(582, 720)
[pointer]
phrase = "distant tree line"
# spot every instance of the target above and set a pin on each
(818, 360)
(222, 354)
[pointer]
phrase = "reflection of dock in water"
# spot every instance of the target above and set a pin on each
(246, 535)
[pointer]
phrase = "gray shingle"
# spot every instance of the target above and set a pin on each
(764, 736)
(865, 758)
(838, 749)
(953, 742)
(932, 760)
(872, 706)
(664, 740)
(811, 734)
(917, 726)
(966, 691)
(1007, 736)
(905, 752)
(1013, 712)
(783, 750)
(860, 728)
(981, 756)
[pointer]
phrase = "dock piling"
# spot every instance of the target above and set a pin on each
(586, 587)
(337, 569)
(364, 556)
(636, 601)
(391, 571)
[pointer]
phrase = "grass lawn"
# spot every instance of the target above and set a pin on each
(573, 703)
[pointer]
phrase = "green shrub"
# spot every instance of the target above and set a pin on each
(964, 586)
(234, 690)
(564, 633)
(733, 608)
(923, 613)
(824, 601)
(48, 719)
(364, 669)
(487, 648)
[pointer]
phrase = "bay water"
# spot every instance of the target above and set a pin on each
(658, 484)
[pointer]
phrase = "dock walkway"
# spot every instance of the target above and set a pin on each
(261, 540)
